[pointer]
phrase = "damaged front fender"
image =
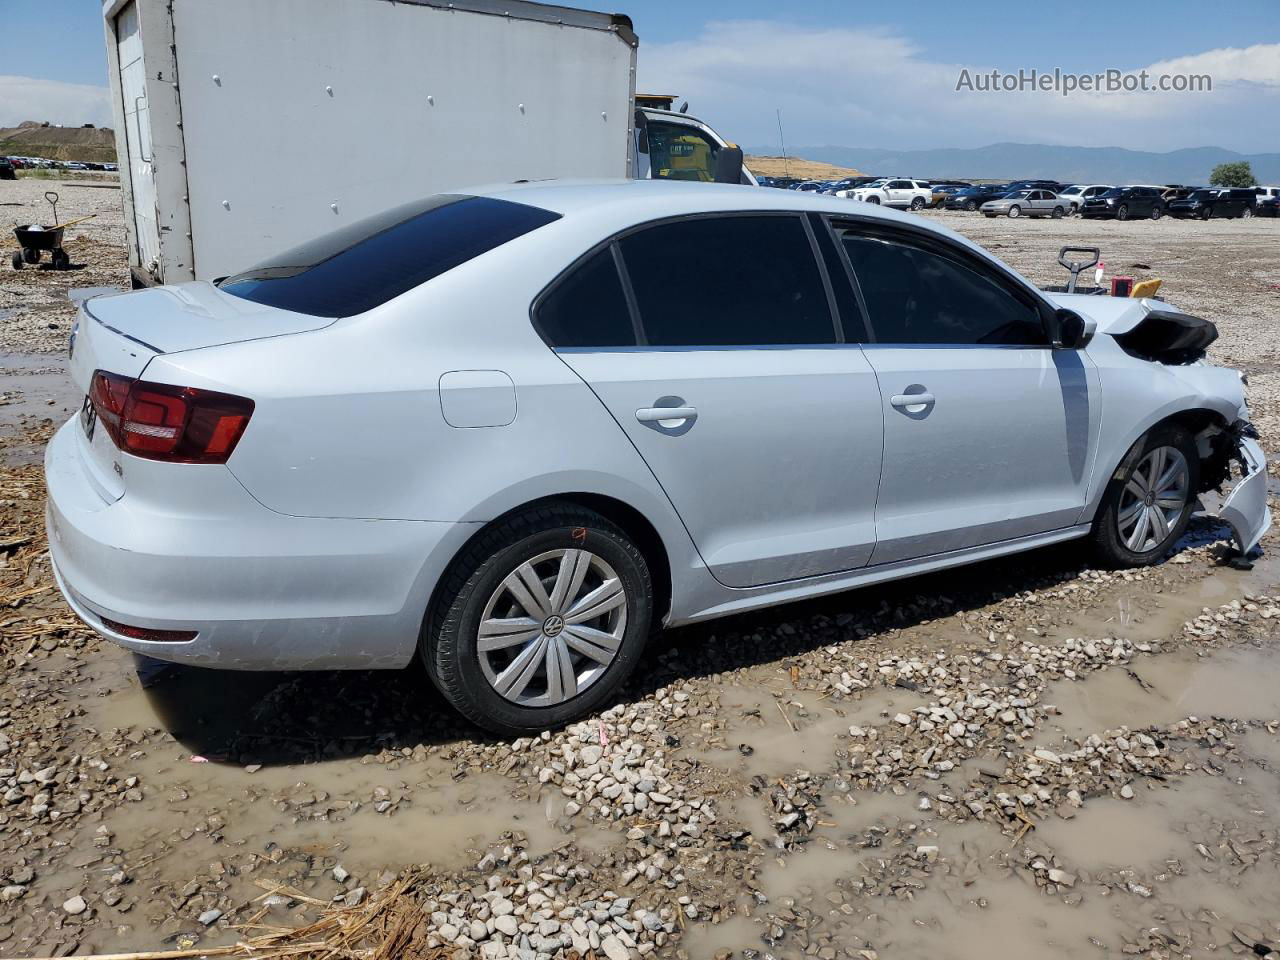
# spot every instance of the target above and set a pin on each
(1245, 508)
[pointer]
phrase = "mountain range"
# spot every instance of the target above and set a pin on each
(1038, 160)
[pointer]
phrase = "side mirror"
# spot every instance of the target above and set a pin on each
(729, 165)
(1070, 331)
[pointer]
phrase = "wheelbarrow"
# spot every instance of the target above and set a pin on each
(37, 239)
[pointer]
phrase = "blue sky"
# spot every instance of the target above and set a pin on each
(843, 72)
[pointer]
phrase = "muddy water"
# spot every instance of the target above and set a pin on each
(1168, 856)
(32, 388)
(293, 820)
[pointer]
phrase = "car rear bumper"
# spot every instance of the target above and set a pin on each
(260, 590)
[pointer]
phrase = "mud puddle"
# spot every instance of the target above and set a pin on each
(32, 388)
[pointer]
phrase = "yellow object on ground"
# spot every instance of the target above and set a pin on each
(1147, 288)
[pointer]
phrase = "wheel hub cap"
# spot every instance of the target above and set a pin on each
(1153, 498)
(552, 627)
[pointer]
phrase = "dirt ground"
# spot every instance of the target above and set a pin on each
(1025, 758)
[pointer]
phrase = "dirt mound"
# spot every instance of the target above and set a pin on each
(29, 139)
(798, 167)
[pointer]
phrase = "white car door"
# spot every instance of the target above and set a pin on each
(757, 415)
(898, 193)
(990, 433)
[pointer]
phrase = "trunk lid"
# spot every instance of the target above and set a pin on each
(122, 333)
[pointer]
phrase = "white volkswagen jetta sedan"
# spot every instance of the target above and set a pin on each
(511, 432)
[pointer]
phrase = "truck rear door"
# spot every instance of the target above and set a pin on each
(137, 134)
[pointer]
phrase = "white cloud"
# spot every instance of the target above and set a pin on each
(876, 88)
(70, 104)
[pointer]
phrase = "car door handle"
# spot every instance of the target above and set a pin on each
(911, 399)
(666, 414)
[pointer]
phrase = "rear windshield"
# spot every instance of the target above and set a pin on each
(368, 263)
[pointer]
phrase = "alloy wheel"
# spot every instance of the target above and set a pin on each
(552, 627)
(1153, 499)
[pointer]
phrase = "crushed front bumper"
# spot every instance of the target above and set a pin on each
(1245, 507)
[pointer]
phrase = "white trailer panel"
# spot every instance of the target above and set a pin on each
(254, 125)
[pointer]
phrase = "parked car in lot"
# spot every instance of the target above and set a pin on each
(971, 198)
(1077, 193)
(848, 183)
(1268, 207)
(894, 192)
(7, 169)
(563, 460)
(942, 192)
(1125, 203)
(1031, 203)
(1266, 193)
(1206, 204)
(1053, 185)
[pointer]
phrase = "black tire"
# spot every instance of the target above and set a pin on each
(970, 205)
(1157, 212)
(1058, 213)
(60, 260)
(1122, 212)
(31, 255)
(16, 260)
(1111, 550)
(448, 643)
(917, 203)
(1247, 213)
(1206, 213)
(874, 199)
(1015, 211)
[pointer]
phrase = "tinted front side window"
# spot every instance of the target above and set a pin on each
(914, 295)
(370, 262)
(587, 307)
(728, 281)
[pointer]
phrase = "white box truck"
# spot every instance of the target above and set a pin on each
(245, 127)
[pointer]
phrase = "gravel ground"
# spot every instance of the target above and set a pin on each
(1024, 758)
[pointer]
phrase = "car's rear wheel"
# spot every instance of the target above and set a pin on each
(1058, 213)
(1149, 501)
(917, 203)
(539, 620)
(1206, 213)
(1075, 208)
(1157, 213)
(970, 205)
(1015, 211)
(1122, 212)
(1247, 213)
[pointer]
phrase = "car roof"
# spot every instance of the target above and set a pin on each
(643, 200)
(604, 207)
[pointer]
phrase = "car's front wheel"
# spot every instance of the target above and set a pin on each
(1014, 212)
(873, 199)
(970, 205)
(1122, 212)
(539, 620)
(917, 203)
(1149, 501)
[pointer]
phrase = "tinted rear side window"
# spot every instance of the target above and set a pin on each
(587, 307)
(728, 281)
(368, 263)
(915, 295)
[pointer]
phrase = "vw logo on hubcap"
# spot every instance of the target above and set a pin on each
(553, 625)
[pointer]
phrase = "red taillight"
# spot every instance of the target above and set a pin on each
(146, 633)
(163, 422)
